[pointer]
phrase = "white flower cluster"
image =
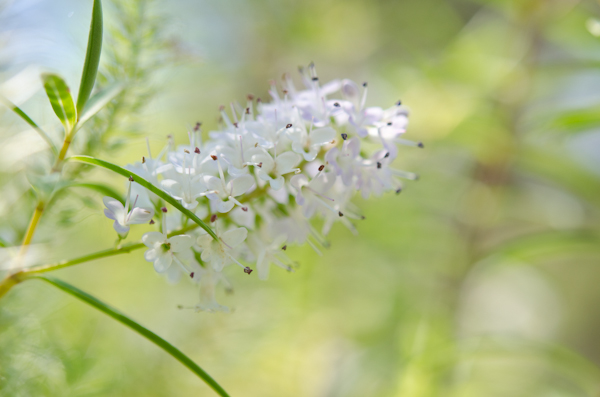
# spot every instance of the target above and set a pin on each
(261, 179)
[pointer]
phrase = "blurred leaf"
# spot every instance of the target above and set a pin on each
(29, 121)
(92, 57)
(577, 121)
(144, 183)
(60, 99)
(145, 332)
(98, 101)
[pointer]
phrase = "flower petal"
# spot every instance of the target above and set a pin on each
(163, 261)
(140, 215)
(151, 239)
(321, 136)
(240, 185)
(180, 243)
(286, 162)
(122, 230)
(114, 206)
(234, 237)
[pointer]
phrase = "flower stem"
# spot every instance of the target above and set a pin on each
(35, 219)
(22, 275)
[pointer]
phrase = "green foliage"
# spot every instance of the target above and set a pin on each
(92, 57)
(61, 101)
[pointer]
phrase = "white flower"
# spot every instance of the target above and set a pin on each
(122, 216)
(310, 195)
(271, 170)
(219, 252)
(223, 194)
(309, 143)
(269, 253)
(162, 249)
(186, 188)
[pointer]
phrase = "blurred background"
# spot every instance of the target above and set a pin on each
(480, 279)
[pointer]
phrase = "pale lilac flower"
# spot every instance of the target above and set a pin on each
(122, 216)
(220, 252)
(162, 249)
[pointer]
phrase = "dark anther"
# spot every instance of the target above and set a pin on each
(221, 108)
(344, 136)
(285, 92)
(143, 160)
(398, 190)
(288, 126)
(389, 123)
(192, 275)
(186, 151)
(378, 165)
(197, 150)
(258, 100)
(260, 165)
(247, 110)
(235, 124)
(213, 218)
(247, 270)
(336, 104)
(169, 136)
(321, 168)
(284, 247)
(315, 78)
(362, 217)
(386, 155)
(212, 156)
(364, 84)
(130, 178)
(197, 126)
(398, 103)
(152, 222)
(250, 97)
(420, 144)
(164, 209)
(340, 213)
(245, 209)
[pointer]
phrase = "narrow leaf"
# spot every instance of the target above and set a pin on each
(60, 99)
(141, 181)
(145, 332)
(98, 101)
(92, 57)
(29, 121)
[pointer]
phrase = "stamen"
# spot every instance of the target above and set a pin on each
(143, 160)
(197, 126)
(284, 247)
(151, 222)
(130, 178)
(340, 214)
(213, 218)
(288, 126)
(344, 136)
(197, 150)
(247, 270)
(164, 209)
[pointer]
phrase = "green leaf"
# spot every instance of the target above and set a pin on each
(98, 101)
(145, 332)
(29, 121)
(141, 181)
(92, 57)
(60, 99)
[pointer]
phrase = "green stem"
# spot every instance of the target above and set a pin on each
(145, 332)
(22, 275)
